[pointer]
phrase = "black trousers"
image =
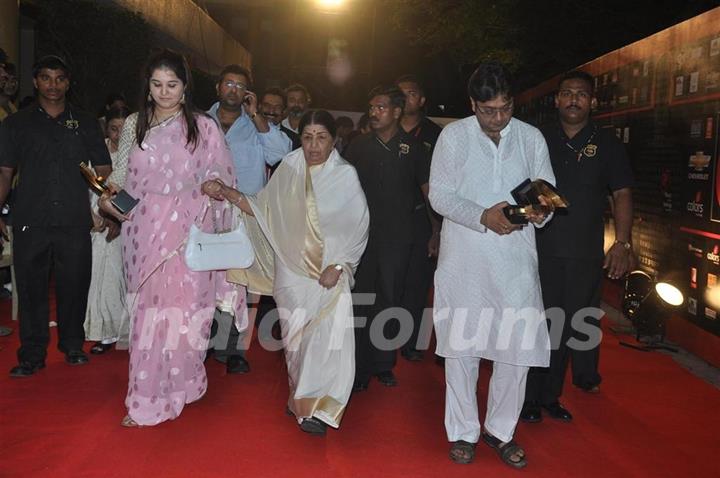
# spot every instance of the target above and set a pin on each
(382, 271)
(571, 285)
(418, 279)
(67, 251)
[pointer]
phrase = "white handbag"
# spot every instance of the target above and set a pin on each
(206, 251)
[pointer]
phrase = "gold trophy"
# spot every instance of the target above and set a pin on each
(527, 194)
(122, 201)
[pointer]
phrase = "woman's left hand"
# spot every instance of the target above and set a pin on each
(329, 277)
(105, 205)
(214, 189)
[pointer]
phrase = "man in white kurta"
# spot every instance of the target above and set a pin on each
(487, 294)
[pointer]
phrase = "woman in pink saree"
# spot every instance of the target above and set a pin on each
(172, 149)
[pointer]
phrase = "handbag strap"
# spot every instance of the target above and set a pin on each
(209, 205)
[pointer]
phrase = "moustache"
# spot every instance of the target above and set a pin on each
(295, 111)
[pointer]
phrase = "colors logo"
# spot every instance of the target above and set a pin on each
(713, 255)
(696, 207)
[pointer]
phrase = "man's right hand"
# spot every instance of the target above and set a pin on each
(494, 219)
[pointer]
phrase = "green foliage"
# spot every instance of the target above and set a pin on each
(105, 46)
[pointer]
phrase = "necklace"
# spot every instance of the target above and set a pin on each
(580, 152)
(166, 120)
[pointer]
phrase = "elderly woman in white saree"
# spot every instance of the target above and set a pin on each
(309, 231)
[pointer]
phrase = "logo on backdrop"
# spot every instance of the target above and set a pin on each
(699, 162)
(696, 207)
(714, 256)
(696, 251)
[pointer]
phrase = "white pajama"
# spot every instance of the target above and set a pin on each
(505, 399)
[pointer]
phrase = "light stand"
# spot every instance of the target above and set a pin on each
(645, 304)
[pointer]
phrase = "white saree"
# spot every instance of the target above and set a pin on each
(302, 225)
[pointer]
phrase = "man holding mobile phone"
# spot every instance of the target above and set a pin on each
(253, 144)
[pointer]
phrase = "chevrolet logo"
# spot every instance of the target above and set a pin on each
(699, 161)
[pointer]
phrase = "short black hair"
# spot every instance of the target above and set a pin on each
(490, 80)
(235, 70)
(578, 75)
(116, 112)
(411, 79)
(344, 121)
(320, 117)
(275, 92)
(9, 69)
(397, 97)
(51, 62)
(113, 97)
(363, 121)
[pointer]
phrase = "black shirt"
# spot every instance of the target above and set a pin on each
(46, 152)
(391, 175)
(602, 167)
(427, 132)
(293, 136)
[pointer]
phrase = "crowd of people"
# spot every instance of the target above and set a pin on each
(350, 229)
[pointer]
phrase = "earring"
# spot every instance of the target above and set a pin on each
(182, 100)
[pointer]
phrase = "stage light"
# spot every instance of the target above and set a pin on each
(670, 294)
(329, 4)
(647, 304)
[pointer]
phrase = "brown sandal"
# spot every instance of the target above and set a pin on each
(462, 452)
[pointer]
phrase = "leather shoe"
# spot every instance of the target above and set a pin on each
(360, 384)
(25, 369)
(387, 378)
(531, 412)
(558, 412)
(76, 357)
(412, 355)
(237, 364)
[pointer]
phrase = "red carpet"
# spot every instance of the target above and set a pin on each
(652, 418)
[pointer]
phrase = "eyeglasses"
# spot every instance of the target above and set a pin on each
(234, 84)
(490, 111)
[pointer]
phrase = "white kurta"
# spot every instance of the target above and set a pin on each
(487, 290)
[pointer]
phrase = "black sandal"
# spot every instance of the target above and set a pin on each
(313, 426)
(506, 451)
(100, 348)
(462, 452)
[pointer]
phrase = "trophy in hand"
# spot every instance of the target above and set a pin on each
(122, 201)
(527, 194)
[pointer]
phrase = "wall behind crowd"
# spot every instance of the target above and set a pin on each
(661, 96)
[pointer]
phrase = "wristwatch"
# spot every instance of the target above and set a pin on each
(626, 245)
